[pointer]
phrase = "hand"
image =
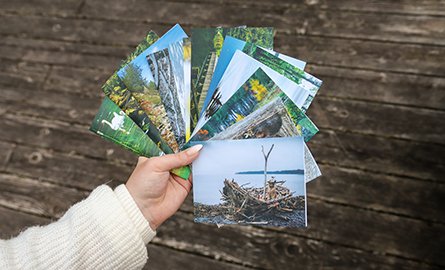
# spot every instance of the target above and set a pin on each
(156, 191)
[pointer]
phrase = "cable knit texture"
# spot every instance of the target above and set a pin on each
(104, 231)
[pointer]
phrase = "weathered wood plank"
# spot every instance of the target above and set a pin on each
(160, 257)
(377, 154)
(46, 57)
(75, 80)
(384, 27)
(295, 19)
(46, 7)
(380, 192)
(380, 119)
(65, 169)
(64, 106)
(422, 7)
(406, 58)
(22, 74)
(14, 222)
(284, 252)
(378, 232)
(380, 86)
(36, 197)
(342, 53)
(79, 30)
(64, 138)
(6, 150)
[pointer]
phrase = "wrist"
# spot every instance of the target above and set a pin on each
(142, 225)
(146, 207)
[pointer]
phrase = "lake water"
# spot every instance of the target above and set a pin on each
(206, 188)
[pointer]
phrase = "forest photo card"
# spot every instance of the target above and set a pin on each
(240, 68)
(139, 80)
(206, 46)
(115, 89)
(257, 92)
(254, 181)
(230, 46)
(169, 70)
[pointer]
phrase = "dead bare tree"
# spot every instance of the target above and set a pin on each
(266, 157)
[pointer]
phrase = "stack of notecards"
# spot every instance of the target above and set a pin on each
(227, 89)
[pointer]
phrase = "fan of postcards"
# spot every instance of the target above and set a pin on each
(220, 84)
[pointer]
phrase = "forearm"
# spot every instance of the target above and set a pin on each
(105, 231)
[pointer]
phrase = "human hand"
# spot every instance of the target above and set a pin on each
(157, 192)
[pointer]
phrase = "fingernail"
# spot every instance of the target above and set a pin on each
(194, 149)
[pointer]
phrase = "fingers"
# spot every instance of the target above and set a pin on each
(171, 161)
(186, 185)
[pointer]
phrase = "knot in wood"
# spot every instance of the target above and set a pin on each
(35, 157)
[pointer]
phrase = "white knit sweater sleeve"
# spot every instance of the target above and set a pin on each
(104, 231)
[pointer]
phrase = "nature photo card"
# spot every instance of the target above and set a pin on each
(139, 80)
(240, 59)
(206, 46)
(256, 93)
(168, 69)
(253, 181)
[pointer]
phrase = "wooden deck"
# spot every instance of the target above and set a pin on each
(381, 112)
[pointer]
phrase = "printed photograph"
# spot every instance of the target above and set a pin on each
(232, 45)
(304, 82)
(206, 46)
(295, 74)
(271, 121)
(257, 92)
(116, 90)
(240, 68)
(122, 97)
(167, 67)
(112, 124)
(138, 79)
(254, 181)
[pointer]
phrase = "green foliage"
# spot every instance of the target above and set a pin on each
(284, 68)
(151, 38)
(243, 102)
(304, 125)
(133, 78)
(128, 135)
(261, 36)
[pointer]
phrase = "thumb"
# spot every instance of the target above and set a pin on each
(172, 161)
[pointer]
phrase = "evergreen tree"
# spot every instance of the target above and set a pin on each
(133, 78)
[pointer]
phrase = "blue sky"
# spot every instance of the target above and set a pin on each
(231, 156)
(175, 34)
